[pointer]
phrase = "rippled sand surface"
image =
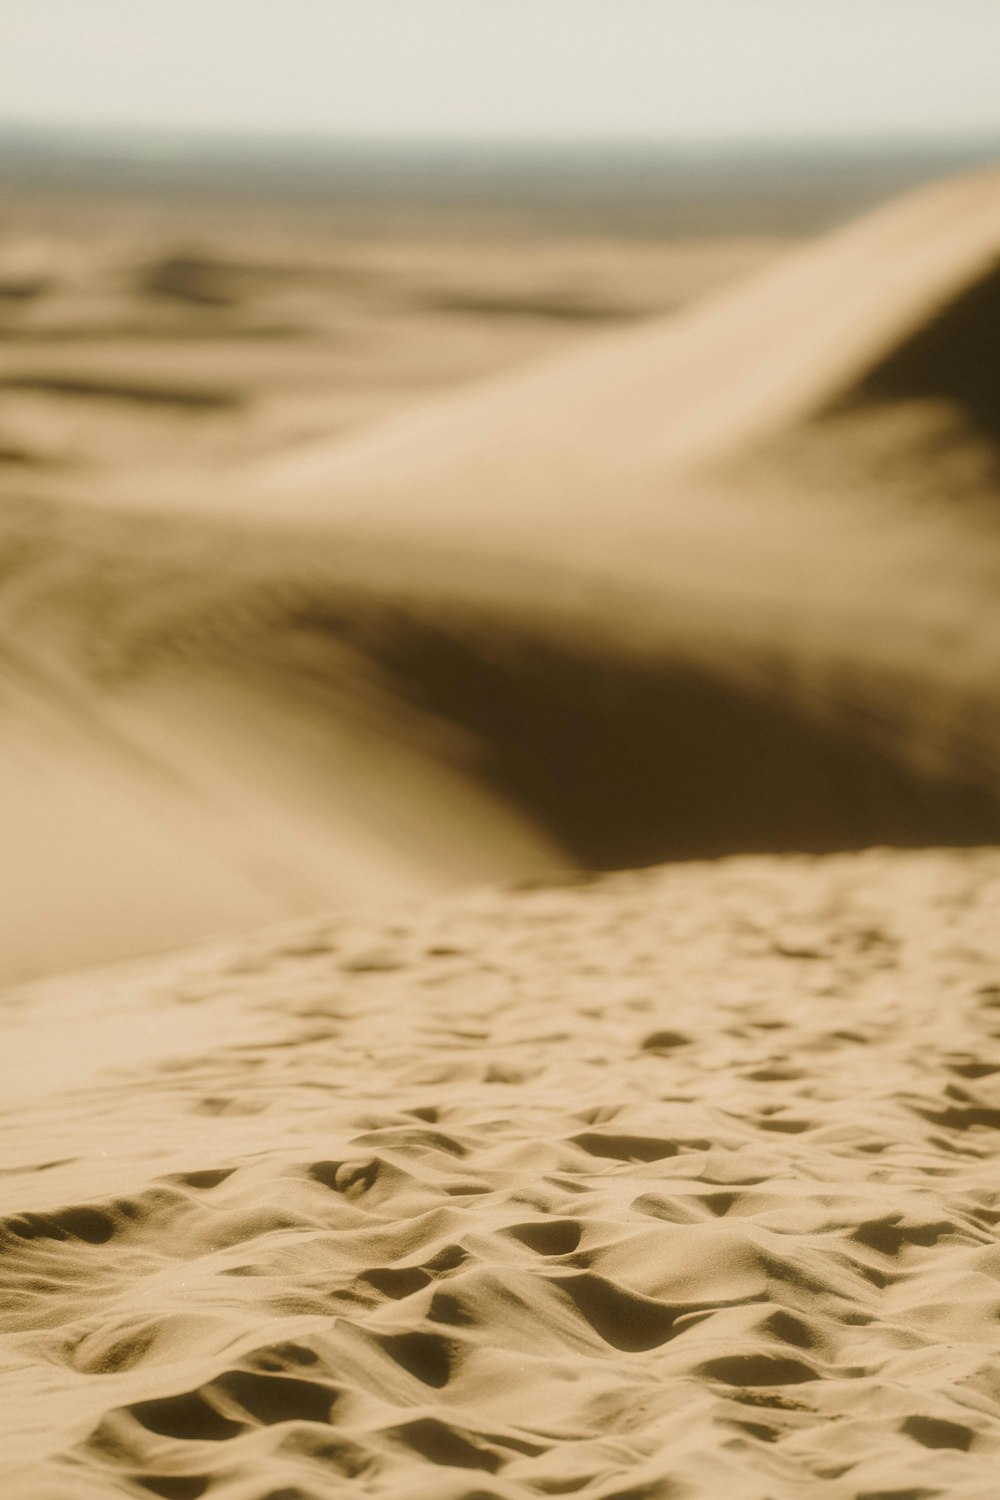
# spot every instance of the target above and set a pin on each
(678, 1183)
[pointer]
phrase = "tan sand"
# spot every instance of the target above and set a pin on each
(723, 582)
(151, 792)
(681, 1184)
(164, 336)
(595, 437)
(671, 1185)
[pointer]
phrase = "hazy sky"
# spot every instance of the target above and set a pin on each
(507, 68)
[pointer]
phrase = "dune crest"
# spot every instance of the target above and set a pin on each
(585, 435)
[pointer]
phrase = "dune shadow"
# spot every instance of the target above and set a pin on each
(953, 357)
(629, 762)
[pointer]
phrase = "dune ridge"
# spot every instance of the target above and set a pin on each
(674, 1184)
(634, 408)
(283, 734)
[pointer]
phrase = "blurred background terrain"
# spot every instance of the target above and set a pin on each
(170, 300)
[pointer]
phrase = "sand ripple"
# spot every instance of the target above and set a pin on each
(677, 1184)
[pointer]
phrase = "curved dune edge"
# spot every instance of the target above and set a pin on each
(592, 437)
(677, 1183)
(205, 729)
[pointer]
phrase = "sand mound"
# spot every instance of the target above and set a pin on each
(202, 732)
(181, 755)
(677, 1184)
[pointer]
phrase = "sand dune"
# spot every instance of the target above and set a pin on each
(696, 588)
(284, 328)
(782, 500)
(159, 783)
(671, 1184)
(595, 434)
(144, 807)
(680, 1184)
(210, 737)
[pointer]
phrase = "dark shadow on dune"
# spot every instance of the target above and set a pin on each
(193, 279)
(621, 757)
(144, 393)
(24, 288)
(203, 279)
(630, 762)
(954, 357)
(555, 306)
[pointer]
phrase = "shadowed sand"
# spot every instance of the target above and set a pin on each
(722, 582)
(679, 1184)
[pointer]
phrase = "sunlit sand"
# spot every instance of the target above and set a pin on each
(423, 1161)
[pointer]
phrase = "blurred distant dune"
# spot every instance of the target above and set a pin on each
(350, 567)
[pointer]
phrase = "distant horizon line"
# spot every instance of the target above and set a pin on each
(749, 142)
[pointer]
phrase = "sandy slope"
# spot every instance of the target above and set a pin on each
(679, 1184)
(147, 803)
(170, 763)
(164, 334)
(725, 582)
(592, 437)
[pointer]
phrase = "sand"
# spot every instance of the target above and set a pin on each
(188, 741)
(719, 581)
(377, 593)
(679, 1183)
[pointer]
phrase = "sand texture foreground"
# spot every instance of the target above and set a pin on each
(674, 1184)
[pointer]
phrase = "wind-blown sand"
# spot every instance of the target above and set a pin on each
(678, 1184)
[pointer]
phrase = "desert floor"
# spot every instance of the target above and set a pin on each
(678, 1183)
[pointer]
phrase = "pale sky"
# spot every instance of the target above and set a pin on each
(496, 69)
